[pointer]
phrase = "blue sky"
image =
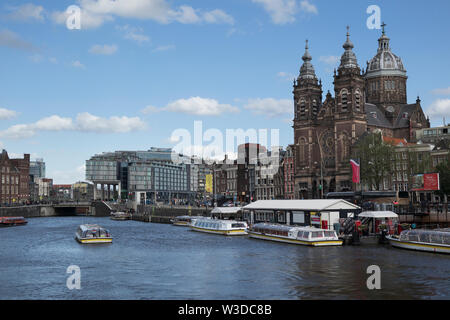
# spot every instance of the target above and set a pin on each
(139, 69)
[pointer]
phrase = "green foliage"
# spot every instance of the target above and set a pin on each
(444, 176)
(375, 158)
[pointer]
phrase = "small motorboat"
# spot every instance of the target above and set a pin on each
(92, 233)
(121, 215)
(12, 221)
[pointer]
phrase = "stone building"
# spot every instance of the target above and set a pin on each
(325, 130)
(14, 186)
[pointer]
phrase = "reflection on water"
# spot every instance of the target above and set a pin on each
(156, 261)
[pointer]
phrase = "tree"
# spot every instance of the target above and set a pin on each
(444, 176)
(375, 158)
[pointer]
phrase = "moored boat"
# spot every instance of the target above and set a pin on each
(185, 221)
(223, 227)
(423, 240)
(92, 233)
(308, 236)
(12, 221)
(120, 215)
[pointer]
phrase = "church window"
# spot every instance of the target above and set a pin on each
(357, 100)
(314, 106)
(302, 108)
(344, 100)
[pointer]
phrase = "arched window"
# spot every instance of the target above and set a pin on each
(314, 106)
(301, 150)
(302, 108)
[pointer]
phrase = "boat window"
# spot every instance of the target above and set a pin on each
(317, 234)
(237, 225)
(306, 235)
(300, 234)
(446, 239)
(413, 237)
(436, 238)
(424, 237)
(329, 234)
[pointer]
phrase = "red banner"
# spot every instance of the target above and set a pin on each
(356, 173)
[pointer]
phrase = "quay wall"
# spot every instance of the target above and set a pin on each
(164, 214)
(28, 211)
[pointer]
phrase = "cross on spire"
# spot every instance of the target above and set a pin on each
(383, 25)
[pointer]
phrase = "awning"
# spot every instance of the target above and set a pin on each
(378, 214)
(226, 210)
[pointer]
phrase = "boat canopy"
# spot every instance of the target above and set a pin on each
(378, 214)
(427, 236)
(226, 210)
(307, 205)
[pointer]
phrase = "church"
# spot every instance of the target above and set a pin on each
(364, 100)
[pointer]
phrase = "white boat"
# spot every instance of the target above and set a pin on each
(423, 240)
(121, 215)
(92, 233)
(224, 227)
(378, 225)
(185, 221)
(308, 236)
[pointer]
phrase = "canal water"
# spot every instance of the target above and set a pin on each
(158, 261)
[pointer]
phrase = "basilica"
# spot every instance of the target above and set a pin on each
(364, 100)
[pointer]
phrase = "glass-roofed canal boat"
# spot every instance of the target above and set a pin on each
(92, 233)
(223, 227)
(437, 240)
(308, 236)
(185, 221)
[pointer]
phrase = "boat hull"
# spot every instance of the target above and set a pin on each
(181, 224)
(240, 232)
(419, 246)
(323, 243)
(13, 224)
(93, 240)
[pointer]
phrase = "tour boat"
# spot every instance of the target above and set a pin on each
(92, 233)
(308, 236)
(423, 240)
(216, 226)
(12, 221)
(185, 221)
(120, 216)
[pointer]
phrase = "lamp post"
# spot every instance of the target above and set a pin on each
(321, 177)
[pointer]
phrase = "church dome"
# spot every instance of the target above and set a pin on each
(385, 62)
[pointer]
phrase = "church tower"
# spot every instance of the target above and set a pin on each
(349, 85)
(307, 91)
(386, 79)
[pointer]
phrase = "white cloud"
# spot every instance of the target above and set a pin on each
(78, 64)
(439, 108)
(27, 12)
(284, 11)
(84, 122)
(96, 12)
(308, 7)
(150, 109)
(134, 34)
(269, 106)
(13, 40)
(200, 107)
(285, 76)
(103, 49)
(330, 60)
(443, 92)
(164, 48)
(7, 114)
(89, 123)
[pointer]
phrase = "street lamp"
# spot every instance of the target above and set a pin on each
(321, 177)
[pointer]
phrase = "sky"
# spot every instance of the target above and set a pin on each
(138, 71)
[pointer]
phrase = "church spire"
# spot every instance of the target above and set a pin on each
(348, 59)
(307, 70)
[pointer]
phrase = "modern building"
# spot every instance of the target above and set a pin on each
(433, 135)
(142, 176)
(37, 169)
(326, 130)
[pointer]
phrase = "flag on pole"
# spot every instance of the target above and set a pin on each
(356, 172)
